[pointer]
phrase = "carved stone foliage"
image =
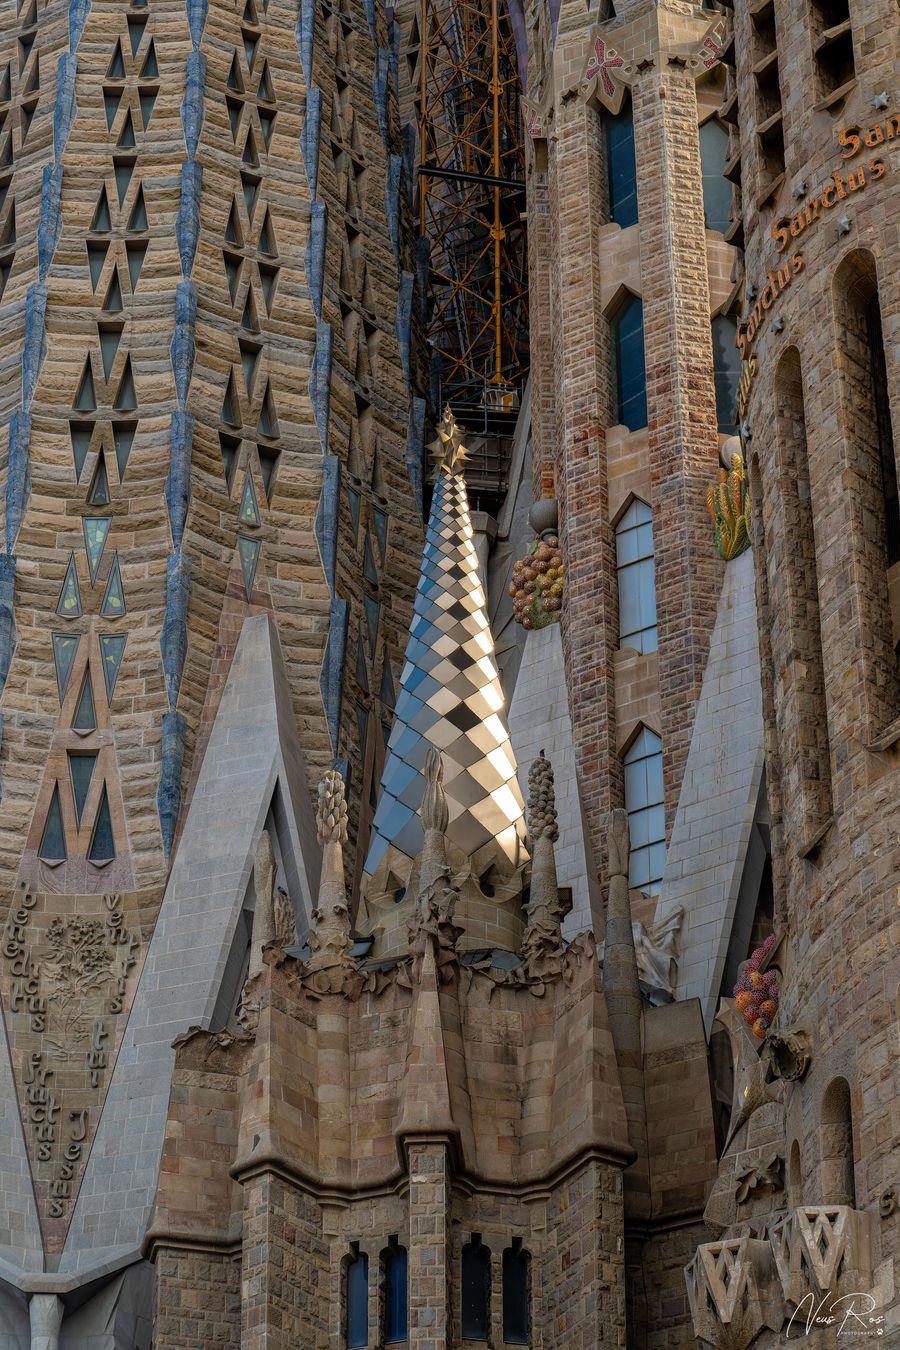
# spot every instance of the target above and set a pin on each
(69, 969)
(764, 1178)
(731, 1292)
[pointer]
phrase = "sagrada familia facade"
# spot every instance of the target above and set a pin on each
(430, 918)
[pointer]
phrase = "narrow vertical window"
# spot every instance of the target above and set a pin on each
(726, 371)
(637, 578)
(884, 431)
(395, 1269)
(621, 170)
(717, 190)
(476, 1290)
(833, 47)
(516, 1318)
(631, 374)
(644, 802)
(357, 1299)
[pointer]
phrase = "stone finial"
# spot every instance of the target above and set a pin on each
(541, 802)
(434, 811)
(447, 450)
(331, 809)
(329, 938)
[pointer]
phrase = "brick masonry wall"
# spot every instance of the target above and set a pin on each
(284, 1272)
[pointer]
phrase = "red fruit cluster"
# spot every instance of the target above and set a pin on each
(756, 992)
(537, 584)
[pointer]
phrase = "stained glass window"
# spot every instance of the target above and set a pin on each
(53, 841)
(394, 1260)
(357, 1301)
(644, 802)
(621, 169)
(113, 597)
(85, 715)
(81, 771)
(476, 1290)
(69, 604)
(716, 188)
(112, 649)
(726, 371)
(64, 649)
(103, 846)
(96, 529)
(249, 512)
(637, 578)
(631, 376)
(248, 551)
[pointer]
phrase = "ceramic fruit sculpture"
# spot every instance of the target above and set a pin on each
(537, 584)
(756, 992)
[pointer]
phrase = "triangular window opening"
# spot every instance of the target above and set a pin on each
(123, 439)
(81, 771)
(85, 718)
(98, 493)
(53, 840)
(103, 847)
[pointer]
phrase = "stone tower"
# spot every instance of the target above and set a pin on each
(211, 432)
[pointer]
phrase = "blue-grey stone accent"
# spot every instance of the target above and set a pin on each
(168, 794)
(192, 103)
(34, 344)
(173, 640)
(415, 451)
(18, 475)
(65, 106)
(309, 138)
(7, 614)
(342, 766)
(196, 14)
(404, 323)
(331, 680)
(182, 348)
(306, 34)
(315, 254)
(392, 201)
(187, 226)
(78, 13)
(178, 480)
(327, 516)
(369, 7)
(320, 381)
(423, 253)
(409, 147)
(380, 89)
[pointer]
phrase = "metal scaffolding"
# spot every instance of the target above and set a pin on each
(471, 209)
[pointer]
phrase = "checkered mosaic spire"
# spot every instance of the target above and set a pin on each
(450, 695)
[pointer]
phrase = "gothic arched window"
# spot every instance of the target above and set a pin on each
(636, 573)
(644, 802)
(631, 371)
(621, 172)
(516, 1318)
(476, 1290)
(356, 1287)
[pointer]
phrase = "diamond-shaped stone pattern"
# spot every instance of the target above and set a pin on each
(450, 697)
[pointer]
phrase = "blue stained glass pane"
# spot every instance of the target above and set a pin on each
(716, 188)
(85, 715)
(621, 168)
(103, 846)
(395, 1280)
(726, 371)
(64, 649)
(381, 530)
(81, 769)
(113, 597)
(631, 377)
(249, 512)
(358, 1302)
(112, 649)
(53, 840)
(248, 551)
(96, 528)
(69, 604)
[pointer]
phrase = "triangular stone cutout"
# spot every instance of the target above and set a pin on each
(124, 170)
(27, 114)
(136, 32)
(251, 42)
(255, 709)
(80, 434)
(117, 64)
(126, 139)
(102, 220)
(112, 649)
(123, 439)
(264, 91)
(268, 457)
(266, 242)
(233, 263)
(86, 399)
(233, 227)
(126, 398)
(267, 425)
(96, 532)
(267, 279)
(113, 606)
(251, 190)
(147, 99)
(248, 553)
(138, 218)
(113, 302)
(68, 606)
(248, 515)
(249, 320)
(64, 650)
(96, 254)
(249, 363)
(150, 69)
(230, 410)
(111, 100)
(234, 106)
(266, 123)
(135, 253)
(98, 493)
(110, 335)
(235, 79)
(228, 447)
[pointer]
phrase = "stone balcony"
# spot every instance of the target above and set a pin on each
(805, 1260)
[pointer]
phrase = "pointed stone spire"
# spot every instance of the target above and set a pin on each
(329, 939)
(450, 698)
